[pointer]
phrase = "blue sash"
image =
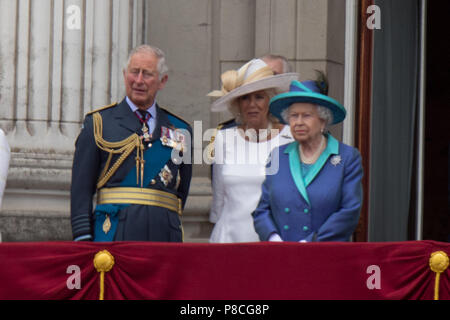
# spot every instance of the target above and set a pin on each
(155, 159)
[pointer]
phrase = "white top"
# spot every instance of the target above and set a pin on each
(4, 163)
(238, 173)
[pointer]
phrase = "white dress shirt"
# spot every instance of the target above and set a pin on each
(152, 110)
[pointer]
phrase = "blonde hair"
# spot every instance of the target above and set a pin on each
(236, 112)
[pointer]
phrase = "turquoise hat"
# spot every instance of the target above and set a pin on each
(308, 92)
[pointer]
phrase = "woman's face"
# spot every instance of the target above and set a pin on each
(254, 108)
(306, 126)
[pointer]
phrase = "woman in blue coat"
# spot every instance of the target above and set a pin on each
(316, 193)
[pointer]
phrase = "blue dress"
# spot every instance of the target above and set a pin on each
(324, 205)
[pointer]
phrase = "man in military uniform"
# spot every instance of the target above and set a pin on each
(132, 155)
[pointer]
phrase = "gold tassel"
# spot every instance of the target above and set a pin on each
(103, 262)
(138, 160)
(438, 263)
(141, 147)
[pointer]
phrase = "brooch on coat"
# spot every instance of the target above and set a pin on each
(335, 160)
(172, 138)
(166, 175)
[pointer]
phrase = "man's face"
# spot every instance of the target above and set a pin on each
(142, 79)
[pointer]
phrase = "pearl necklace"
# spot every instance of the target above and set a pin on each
(313, 158)
(254, 135)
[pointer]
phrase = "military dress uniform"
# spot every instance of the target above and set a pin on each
(141, 179)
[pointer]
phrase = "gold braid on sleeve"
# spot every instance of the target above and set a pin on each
(123, 147)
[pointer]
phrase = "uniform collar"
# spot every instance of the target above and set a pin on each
(151, 110)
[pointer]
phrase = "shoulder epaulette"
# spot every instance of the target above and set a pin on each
(227, 124)
(102, 108)
(224, 125)
(173, 115)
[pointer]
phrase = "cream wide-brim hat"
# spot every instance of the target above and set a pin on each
(254, 76)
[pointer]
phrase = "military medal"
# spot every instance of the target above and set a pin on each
(172, 138)
(166, 137)
(180, 139)
(166, 175)
(107, 224)
(145, 135)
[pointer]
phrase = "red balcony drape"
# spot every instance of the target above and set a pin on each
(248, 271)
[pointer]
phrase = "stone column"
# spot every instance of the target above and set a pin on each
(58, 60)
(52, 73)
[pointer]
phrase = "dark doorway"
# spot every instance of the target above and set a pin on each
(436, 218)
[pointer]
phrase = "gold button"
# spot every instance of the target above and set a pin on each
(153, 181)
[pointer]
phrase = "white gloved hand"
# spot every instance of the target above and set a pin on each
(275, 237)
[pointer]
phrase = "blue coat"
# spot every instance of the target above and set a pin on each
(324, 206)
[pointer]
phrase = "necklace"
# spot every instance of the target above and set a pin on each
(311, 159)
(258, 135)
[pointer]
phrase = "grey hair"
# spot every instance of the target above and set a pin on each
(324, 113)
(162, 67)
(286, 65)
(233, 107)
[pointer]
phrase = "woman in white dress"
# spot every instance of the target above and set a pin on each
(241, 151)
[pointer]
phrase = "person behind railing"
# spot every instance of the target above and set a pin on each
(241, 151)
(278, 63)
(124, 156)
(316, 194)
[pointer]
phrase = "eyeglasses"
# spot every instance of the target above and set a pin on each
(146, 75)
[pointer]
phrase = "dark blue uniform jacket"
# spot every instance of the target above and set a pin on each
(130, 221)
